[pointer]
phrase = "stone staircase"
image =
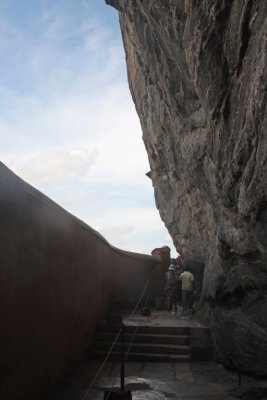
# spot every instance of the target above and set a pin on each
(150, 343)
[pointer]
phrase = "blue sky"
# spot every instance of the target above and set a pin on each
(68, 125)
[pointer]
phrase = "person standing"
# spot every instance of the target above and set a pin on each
(170, 290)
(179, 270)
(188, 286)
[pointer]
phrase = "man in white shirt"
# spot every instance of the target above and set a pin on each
(188, 285)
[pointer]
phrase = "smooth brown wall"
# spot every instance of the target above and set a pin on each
(57, 278)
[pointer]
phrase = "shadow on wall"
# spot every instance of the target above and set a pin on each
(57, 278)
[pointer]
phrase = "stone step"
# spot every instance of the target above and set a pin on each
(144, 348)
(165, 330)
(144, 357)
(146, 338)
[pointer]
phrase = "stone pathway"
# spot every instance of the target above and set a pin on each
(150, 381)
(161, 318)
(154, 381)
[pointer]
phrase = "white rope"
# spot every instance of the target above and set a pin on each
(130, 345)
(140, 298)
(115, 341)
(134, 334)
(114, 380)
(101, 366)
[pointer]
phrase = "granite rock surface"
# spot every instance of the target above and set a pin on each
(197, 75)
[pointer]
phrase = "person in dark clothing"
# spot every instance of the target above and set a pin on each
(171, 289)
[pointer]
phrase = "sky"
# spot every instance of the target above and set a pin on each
(68, 125)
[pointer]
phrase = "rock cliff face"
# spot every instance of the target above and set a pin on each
(197, 74)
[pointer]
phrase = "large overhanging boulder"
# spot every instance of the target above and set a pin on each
(197, 74)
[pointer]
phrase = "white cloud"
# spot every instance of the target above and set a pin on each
(57, 167)
(68, 126)
(105, 122)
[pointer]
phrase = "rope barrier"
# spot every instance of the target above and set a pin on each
(130, 345)
(101, 366)
(133, 335)
(140, 298)
(114, 380)
(133, 312)
(115, 341)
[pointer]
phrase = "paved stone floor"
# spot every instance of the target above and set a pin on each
(151, 381)
(161, 318)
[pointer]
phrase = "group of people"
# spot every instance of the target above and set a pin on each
(180, 283)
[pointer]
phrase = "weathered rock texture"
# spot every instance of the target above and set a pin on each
(57, 278)
(197, 74)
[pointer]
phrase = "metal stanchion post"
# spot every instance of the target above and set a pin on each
(239, 378)
(121, 394)
(122, 356)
